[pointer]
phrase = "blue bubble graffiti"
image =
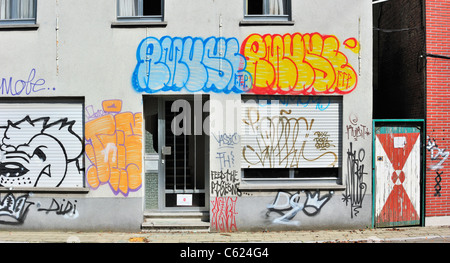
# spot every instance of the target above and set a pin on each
(194, 64)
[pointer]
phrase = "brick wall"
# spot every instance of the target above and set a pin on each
(438, 108)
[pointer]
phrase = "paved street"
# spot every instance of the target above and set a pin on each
(381, 235)
(228, 247)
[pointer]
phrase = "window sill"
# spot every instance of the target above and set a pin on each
(265, 23)
(132, 24)
(12, 27)
(291, 184)
(80, 190)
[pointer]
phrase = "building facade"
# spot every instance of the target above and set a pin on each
(257, 114)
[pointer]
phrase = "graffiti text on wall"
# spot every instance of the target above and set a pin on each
(39, 153)
(298, 64)
(265, 64)
(356, 130)
(26, 86)
(288, 205)
(113, 148)
(225, 180)
(223, 216)
(14, 210)
(356, 187)
(437, 154)
(280, 140)
(225, 183)
(194, 64)
(64, 208)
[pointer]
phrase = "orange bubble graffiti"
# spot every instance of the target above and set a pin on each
(113, 147)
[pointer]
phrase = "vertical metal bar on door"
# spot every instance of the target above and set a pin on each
(174, 158)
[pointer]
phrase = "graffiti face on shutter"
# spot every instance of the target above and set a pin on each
(38, 152)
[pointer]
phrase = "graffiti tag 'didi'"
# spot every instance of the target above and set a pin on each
(294, 64)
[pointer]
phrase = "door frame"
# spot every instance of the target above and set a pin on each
(422, 127)
(161, 166)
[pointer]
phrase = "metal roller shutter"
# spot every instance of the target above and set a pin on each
(298, 132)
(41, 144)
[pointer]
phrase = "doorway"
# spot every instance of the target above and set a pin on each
(178, 153)
(398, 178)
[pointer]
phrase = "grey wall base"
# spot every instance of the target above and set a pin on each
(72, 214)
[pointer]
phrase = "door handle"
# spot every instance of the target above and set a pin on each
(166, 150)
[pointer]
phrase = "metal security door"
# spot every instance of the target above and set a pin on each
(184, 158)
(397, 175)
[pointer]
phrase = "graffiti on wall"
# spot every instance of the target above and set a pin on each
(281, 140)
(320, 103)
(298, 64)
(437, 154)
(322, 141)
(295, 64)
(194, 64)
(37, 152)
(223, 214)
(356, 187)
(225, 181)
(23, 86)
(14, 210)
(63, 207)
(356, 130)
(113, 149)
(288, 205)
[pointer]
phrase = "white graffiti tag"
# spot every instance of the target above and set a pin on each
(288, 205)
(435, 152)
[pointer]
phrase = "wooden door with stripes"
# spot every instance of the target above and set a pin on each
(397, 175)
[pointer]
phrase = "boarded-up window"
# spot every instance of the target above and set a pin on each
(41, 144)
(291, 136)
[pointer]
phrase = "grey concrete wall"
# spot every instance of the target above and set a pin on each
(254, 214)
(69, 212)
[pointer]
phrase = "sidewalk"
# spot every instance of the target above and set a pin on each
(405, 234)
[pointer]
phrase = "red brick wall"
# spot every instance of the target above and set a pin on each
(438, 108)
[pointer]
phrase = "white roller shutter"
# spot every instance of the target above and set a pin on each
(41, 145)
(294, 132)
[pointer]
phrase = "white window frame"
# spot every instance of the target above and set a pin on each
(266, 16)
(17, 20)
(140, 16)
